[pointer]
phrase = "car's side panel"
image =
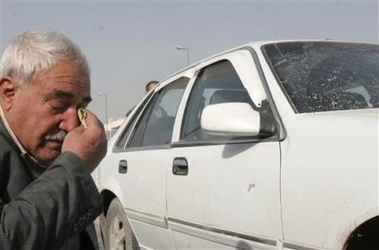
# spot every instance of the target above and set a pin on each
(189, 239)
(229, 190)
(152, 236)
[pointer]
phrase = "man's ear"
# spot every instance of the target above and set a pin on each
(8, 89)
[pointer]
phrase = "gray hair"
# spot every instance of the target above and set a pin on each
(39, 50)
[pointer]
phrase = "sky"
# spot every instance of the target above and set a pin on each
(129, 43)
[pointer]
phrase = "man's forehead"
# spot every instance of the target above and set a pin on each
(65, 71)
(65, 80)
(65, 94)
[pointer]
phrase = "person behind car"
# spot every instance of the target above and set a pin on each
(48, 199)
(151, 85)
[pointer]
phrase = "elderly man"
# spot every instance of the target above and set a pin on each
(48, 199)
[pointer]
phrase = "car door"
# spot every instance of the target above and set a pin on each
(141, 155)
(223, 192)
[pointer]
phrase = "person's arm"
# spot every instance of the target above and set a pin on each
(54, 207)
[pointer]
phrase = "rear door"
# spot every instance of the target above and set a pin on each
(142, 156)
(223, 192)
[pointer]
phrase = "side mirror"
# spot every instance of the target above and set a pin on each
(231, 119)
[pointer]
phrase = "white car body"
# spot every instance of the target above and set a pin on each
(308, 187)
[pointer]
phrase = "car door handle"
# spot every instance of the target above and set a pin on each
(122, 167)
(180, 166)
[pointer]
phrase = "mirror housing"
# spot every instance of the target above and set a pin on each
(231, 119)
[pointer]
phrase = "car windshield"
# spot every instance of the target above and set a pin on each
(326, 76)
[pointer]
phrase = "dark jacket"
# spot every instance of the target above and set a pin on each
(50, 211)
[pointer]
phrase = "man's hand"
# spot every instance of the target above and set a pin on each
(89, 143)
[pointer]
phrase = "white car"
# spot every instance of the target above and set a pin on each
(271, 145)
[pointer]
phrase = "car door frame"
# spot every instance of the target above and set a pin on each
(152, 220)
(184, 228)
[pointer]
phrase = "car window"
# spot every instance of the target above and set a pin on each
(155, 125)
(121, 141)
(325, 76)
(217, 83)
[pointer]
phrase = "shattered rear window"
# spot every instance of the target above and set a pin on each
(326, 76)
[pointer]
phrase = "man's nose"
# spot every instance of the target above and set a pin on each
(70, 120)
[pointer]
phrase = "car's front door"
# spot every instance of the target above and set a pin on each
(223, 192)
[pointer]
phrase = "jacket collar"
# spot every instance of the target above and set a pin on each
(5, 126)
(12, 139)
